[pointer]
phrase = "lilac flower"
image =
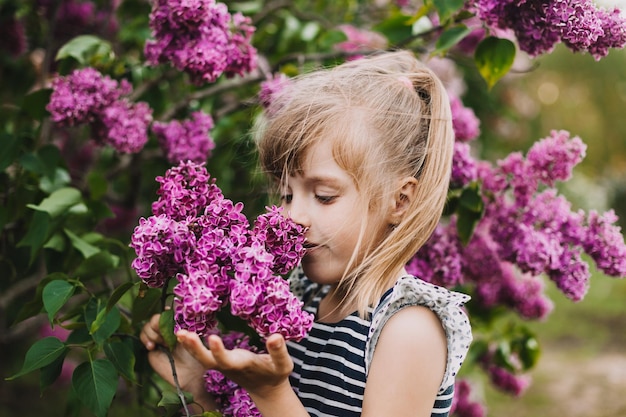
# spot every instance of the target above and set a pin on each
(161, 245)
(540, 25)
(360, 40)
(73, 18)
(124, 126)
(462, 404)
(553, 158)
(604, 242)
(185, 191)
(200, 294)
(82, 96)
(439, 260)
(464, 121)
(283, 238)
(271, 87)
(507, 381)
(240, 405)
(201, 38)
(463, 166)
(187, 140)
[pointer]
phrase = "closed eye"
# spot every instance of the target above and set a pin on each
(325, 199)
(287, 198)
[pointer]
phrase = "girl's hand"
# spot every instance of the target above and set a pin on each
(263, 374)
(189, 371)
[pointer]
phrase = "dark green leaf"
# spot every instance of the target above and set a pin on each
(447, 8)
(101, 324)
(82, 246)
(34, 306)
(98, 184)
(55, 295)
(97, 265)
(9, 149)
(37, 234)
(119, 293)
(84, 48)
(471, 199)
(57, 242)
(166, 326)
(95, 383)
(122, 357)
(172, 402)
(50, 373)
(59, 202)
(43, 352)
(494, 57)
(60, 179)
(466, 223)
(450, 37)
(396, 28)
(146, 304)
(34, 104)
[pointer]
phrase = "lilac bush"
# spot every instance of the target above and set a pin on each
(188, 140)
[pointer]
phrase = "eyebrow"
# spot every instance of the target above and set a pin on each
(326, 180)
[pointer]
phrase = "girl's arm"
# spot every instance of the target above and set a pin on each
(408, 365)
(264, 376)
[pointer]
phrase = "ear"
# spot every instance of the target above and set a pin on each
(403, 197)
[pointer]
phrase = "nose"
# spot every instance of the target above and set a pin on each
(297, 211)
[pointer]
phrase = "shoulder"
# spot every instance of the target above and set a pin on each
(441, 312)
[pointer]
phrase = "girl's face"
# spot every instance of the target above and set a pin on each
(324, 198)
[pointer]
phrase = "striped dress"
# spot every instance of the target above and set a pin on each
(331, 363)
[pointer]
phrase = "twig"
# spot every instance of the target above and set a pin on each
(179, 390)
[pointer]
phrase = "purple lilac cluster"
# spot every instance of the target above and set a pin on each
(466, 128)
(201, 38)
(462, 404)
(539, 25)
(186, 140)
(527, 230)
(206, 242)
(270, 87)
(360, 40)
(464, 121)
(232, 400)
(87, 97)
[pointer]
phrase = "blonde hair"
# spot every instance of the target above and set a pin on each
(388, 117)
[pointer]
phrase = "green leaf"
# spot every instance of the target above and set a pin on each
(119, 293)
(466, 223)
(98, 184)
(82, 246)
(450, 37)
(84, 48)
(494, 57)
(100, 322)
(37, 234)
(447, 8)
(95, 383)
(57, 243)
(34, 104)
(97, 265)
(43, 352)
(529, 353)
(166, 326)
(50, 373)
(9, 149)
(59, 202)
(60, 179)
(396, 28)
(55, 295)
(122, 357)
(146, 304)
(471, 199)
(172, 403)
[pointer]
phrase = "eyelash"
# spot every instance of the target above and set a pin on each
(321, 198)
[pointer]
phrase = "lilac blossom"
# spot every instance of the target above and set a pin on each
(604, 242)
(507, 381)
(188, 140)
(124, 126)
(201, 38)
(271, 87)
(82, 96)
(185, 190)
(463, 166)
(161, 245)
(464, 121)
(283, 238)
(540, 25)
(360, 40)
(462, 404)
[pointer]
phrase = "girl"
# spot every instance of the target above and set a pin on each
(361, 155)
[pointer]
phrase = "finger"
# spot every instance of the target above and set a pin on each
(192, 343)
(277, 349)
